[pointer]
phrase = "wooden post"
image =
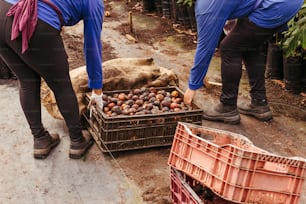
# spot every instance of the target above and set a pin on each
(131, 21)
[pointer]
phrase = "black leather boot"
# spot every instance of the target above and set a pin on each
(79, 148)
(257, 108)
(225, 113)
(44, 145)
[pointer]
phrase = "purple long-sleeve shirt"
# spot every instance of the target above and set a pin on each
(212, 15)
(73, 11)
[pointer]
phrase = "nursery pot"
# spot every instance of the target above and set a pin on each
(293, 74)
(303, 82)
(191, 16)
(274, 64)
(166, 8)
(158, 6)
(148, 5)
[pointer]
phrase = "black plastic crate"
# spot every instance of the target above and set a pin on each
(137, 131)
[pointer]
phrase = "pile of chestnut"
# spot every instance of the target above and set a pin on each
(143, 101)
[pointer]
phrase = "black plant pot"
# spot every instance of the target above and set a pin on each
(191, 16)
(166, 10)
(303, 81)
(148, 5)
(158, 6)
(274, 64)
(293, 74)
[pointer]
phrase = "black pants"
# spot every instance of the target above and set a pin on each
(46, 58)
(245, 43)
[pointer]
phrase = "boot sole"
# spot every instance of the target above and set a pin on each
(78, 154)
(43, 153)
(232, 120)
(260, 116)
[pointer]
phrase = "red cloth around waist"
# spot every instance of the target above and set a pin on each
(25, 19)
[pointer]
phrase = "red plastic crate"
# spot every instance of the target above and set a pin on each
(186, 190)
(235, 169)
(181, 192)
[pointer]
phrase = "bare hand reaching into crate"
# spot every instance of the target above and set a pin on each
(188, 96)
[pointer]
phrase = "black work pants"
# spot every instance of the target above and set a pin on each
(245, 43)
(46, 58)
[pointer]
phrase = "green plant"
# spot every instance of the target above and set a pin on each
(185, 2)
(294, 39)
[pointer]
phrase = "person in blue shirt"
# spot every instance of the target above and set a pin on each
(32, 47)
(257, 21)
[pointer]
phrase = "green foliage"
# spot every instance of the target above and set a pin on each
(185, 2)
(294, 40)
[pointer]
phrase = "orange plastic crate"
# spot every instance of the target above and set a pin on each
(234, 168)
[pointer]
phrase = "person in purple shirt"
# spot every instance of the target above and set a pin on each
(32, 47)
(257, 21)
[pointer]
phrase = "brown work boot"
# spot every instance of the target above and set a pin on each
(78, 149)
(259, 110)
(44, 145)
(225, 113)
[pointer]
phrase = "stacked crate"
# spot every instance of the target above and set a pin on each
(233, 168)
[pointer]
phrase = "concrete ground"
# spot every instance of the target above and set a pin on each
(57, 179)
(98, 178)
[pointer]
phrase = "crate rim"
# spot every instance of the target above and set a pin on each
(195, 109)
(264, 152)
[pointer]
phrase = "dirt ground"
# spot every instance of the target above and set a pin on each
(148, 168)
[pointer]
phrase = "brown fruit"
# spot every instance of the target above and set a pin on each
(148, 106)
(132, 110)
(178, 100)
(135, 105)
(173, 105)
(129, 96)
(122, 96)
(111, 105)
(116, 109)
(165, 103)
(139, 102)
(156, 103)
(129, 102)
(152, 89)
(151, 95)
(105, 109)
(105, 97)
(165, 109)
(177, 109)
(135, 97)
(174, 93)
(136, 91)
(162, 92)
(114, 100)
(160, 97)
(125, 112)
(151, 100)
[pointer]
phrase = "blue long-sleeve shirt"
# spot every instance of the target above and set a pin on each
(212, 15)
(73, 11)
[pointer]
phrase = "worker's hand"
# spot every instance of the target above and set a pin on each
(188, 96)
(96, 99)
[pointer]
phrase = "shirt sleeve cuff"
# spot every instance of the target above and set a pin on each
(95, 84)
